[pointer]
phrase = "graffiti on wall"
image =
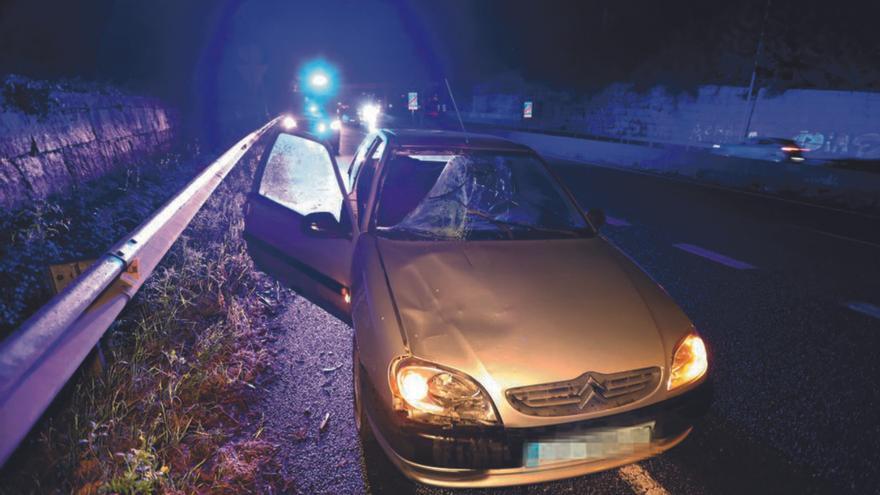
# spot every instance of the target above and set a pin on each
(867, 145)
(713, 133)
(861, 146)
(636, 128)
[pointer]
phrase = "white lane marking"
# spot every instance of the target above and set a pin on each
(716, 257)
(843, 237)
(617, 222)
(641, 481)
(864, 308)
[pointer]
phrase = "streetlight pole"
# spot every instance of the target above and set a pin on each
(754, 100)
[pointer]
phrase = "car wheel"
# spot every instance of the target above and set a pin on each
(360, 416)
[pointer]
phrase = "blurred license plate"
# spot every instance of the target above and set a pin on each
(593, 445)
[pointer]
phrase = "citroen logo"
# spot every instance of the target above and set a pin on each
(590, 390)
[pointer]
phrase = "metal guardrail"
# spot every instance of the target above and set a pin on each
(38, 359)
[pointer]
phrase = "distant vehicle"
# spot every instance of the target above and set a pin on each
(763, 148)
(370, 115)
(350, 118)
(498, 339)
(326, 129)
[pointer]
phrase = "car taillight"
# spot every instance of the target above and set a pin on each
(791, 149)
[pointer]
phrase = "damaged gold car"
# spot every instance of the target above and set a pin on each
(499, 339)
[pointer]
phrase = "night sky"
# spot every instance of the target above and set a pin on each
(171, 47)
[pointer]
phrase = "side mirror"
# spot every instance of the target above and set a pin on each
(596, 217)
(323, 224)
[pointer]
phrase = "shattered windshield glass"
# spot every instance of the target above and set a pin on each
(474, 195)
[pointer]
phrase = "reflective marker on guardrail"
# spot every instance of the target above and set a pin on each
(40, 357)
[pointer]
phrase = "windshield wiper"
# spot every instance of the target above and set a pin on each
(420, 234)
(526, 226)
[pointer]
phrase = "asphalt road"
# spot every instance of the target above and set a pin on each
(786, 294)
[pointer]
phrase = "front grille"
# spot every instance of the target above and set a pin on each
(589, 392)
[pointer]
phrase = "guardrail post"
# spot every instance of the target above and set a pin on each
(98, 364)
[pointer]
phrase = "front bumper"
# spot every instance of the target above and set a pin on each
(495, 456)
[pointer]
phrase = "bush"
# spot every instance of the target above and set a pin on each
(26, 97)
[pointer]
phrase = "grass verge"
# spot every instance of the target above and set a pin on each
(78, 226)
(168, 413)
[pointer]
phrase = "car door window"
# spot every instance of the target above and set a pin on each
(364, 178)
(357, 162)
(299, 175)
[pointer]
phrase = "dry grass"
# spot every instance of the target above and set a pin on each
(169, 412)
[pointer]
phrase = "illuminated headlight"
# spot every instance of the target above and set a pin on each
(429, 393)
(689, 362)
(322, 128)
(336, 125)
(288, 122)
(370, 114)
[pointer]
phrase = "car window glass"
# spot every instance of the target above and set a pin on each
(474, 195)
(364, 179)
(357, 162)
(299, 175)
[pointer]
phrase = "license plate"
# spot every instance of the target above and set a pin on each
(596, 444)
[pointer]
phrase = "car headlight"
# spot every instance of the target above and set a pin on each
(429, 393)
(322, 128)
(336, 125)
(689, 362)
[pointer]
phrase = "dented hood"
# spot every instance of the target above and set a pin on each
(524, 312)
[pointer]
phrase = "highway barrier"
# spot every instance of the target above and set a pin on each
(852, 188)
(38, 359)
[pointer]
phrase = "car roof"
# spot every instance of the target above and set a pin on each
(424, 138)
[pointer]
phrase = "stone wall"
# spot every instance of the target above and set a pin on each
(833, 124)
(53, 138)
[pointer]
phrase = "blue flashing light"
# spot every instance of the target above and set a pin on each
(319, 78)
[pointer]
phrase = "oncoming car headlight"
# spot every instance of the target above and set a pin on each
(336, 125)
(429, 393)
(689, 362)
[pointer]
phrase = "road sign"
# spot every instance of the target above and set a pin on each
(412, 101)
(527, 110)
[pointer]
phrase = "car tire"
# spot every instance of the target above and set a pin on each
(361, 422)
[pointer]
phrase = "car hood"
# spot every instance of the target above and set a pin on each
(522, 312)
